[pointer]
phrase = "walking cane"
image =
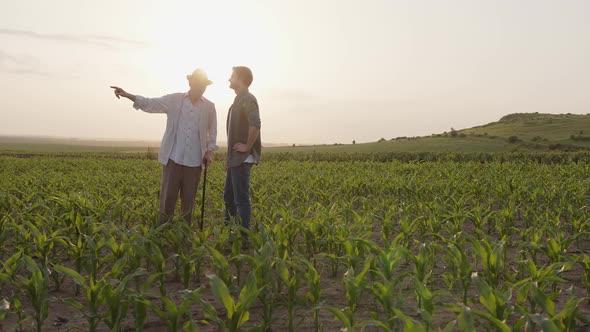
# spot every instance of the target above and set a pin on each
(203, 200)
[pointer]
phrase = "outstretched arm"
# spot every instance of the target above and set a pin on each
(122, 93)
(149, 105)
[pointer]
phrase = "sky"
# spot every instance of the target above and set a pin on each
(325, 71)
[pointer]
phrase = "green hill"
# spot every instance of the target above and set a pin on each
(569, 129)
(513, 132)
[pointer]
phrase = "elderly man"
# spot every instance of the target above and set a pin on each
(188, 142)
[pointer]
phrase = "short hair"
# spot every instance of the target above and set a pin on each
(245, 74)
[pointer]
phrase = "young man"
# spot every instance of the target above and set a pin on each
(188, 142)
(243, 147)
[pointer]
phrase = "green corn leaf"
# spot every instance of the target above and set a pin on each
(410, 324)
(342, 317)
(222, 294)
(74, 304)
(248, 294)
(70, 273)
(544, 302)
(546, 324)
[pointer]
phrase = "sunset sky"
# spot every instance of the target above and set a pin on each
(324, 71)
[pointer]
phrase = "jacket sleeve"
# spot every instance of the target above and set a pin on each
(153, 105)
(252, 113)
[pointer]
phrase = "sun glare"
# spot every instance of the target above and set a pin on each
(216, 40)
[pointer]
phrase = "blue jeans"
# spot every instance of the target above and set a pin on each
(236, 194)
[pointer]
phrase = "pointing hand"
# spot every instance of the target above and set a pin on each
(119, 92)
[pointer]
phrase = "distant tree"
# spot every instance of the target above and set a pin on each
(353, 142)
(453, 132)
(293, 144)
(381, 140)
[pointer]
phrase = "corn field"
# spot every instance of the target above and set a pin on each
(344, 245)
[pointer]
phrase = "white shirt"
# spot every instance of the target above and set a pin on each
(172, 105)
(184, 151)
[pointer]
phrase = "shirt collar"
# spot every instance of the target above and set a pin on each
(245, 92)
(186, 95)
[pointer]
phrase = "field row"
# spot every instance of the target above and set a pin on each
(362, 245)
